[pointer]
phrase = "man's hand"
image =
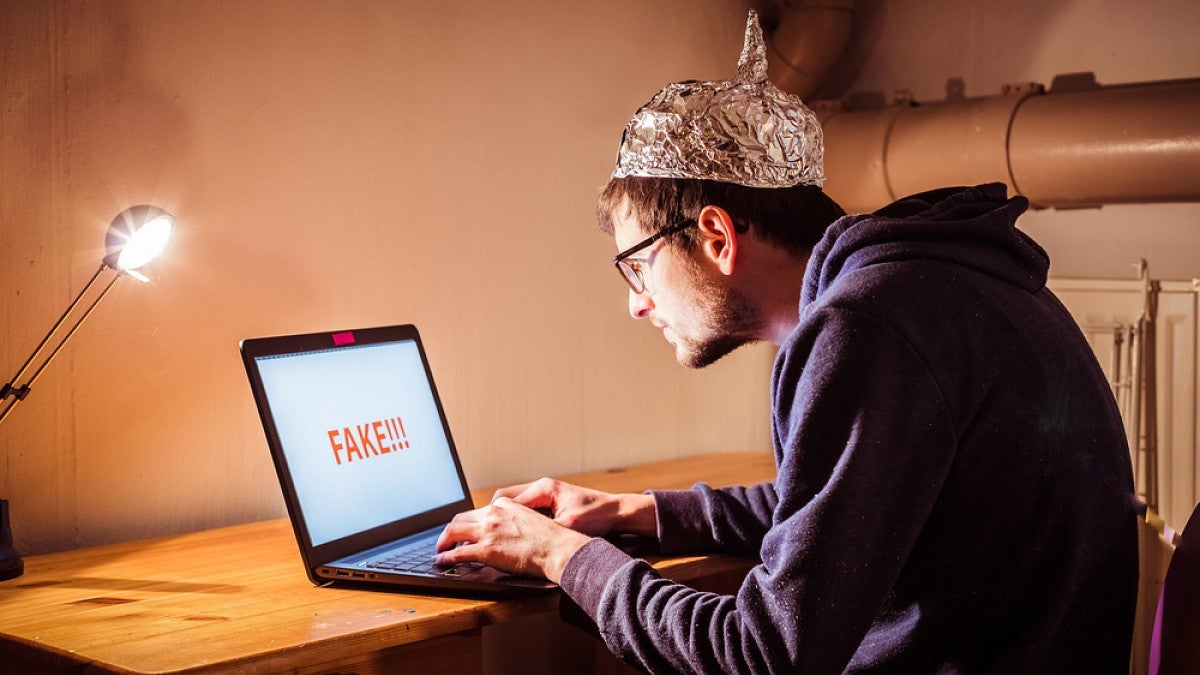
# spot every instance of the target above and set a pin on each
(510, 537)
(585, 510)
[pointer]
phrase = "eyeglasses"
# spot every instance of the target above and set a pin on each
(631, 268)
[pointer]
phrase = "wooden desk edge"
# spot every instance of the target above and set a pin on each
(669, 474)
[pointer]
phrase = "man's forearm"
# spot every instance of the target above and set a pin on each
(636, 514)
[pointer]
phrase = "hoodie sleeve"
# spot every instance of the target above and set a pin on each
(866, 444)
(730, 520)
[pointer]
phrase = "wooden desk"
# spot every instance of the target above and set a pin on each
(237, 599)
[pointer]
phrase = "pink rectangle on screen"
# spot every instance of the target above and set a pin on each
(346, 338)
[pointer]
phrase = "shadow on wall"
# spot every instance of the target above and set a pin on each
(89, 133)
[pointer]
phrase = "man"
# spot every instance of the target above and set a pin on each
(954, 491)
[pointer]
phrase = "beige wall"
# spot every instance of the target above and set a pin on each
(333, 165)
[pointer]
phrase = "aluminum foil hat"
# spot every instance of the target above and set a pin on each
(742, 130)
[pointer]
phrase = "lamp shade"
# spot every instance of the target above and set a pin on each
(136, 236)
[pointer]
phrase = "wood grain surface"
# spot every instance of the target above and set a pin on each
(237, 598)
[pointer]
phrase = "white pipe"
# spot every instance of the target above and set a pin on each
(1134, 143)
(807, 43)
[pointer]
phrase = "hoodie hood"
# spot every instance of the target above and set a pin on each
(970, 226)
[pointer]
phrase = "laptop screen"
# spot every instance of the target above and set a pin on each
(360, 429)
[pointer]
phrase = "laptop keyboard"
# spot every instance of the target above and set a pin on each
(416, 558)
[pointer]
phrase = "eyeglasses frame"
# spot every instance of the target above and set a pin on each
(621, 257)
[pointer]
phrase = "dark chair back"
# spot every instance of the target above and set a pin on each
(1175, 643)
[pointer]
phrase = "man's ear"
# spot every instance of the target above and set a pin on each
(718, 238)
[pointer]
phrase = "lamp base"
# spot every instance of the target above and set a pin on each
(11, 564)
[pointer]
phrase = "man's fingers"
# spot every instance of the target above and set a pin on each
(535, 496)
(510, 491)
(457, 554)
(462, 529)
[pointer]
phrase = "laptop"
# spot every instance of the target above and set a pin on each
(368, 468)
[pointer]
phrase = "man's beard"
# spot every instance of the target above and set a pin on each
(729, 321)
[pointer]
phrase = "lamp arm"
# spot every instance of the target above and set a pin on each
(57, 325)
(8, 405)
(19, 391)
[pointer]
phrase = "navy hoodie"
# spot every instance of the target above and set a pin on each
(954, 490)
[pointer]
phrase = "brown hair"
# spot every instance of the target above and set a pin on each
(794, 218)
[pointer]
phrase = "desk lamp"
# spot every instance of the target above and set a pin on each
(136, 236)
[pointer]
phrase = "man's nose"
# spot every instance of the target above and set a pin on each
(640, 304)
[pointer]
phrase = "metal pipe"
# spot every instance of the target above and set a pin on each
(1136, 143)
(808, 41)
(1111, 145)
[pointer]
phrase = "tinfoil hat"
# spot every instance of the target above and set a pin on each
(742, 130)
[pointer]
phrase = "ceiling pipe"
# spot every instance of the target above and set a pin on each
(1077, 145)
(807, 42)
(1114, 145)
